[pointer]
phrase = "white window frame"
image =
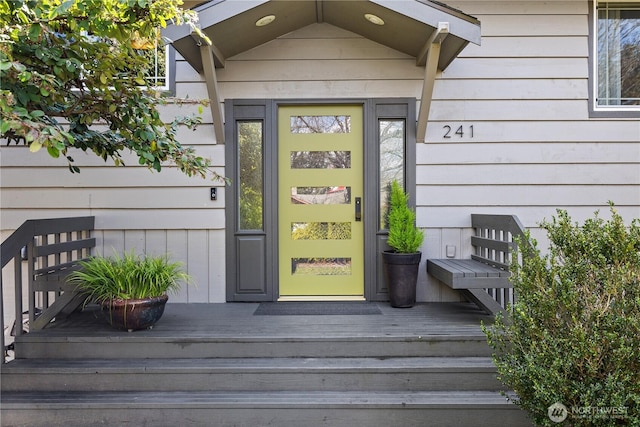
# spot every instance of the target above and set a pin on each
(170, 68)
(166, 87)
(617, 110)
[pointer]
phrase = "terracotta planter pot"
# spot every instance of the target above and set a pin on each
(401, 276)
(133, 315)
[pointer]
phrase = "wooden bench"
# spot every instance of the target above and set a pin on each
(483, 279)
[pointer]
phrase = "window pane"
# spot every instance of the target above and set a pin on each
(618, 55)
(321, 231)
(156, 53)
(320, 159)
(392, 143)
(321, 266)
(321, 195)
(320, 124)
(250, 179)
(158, 60)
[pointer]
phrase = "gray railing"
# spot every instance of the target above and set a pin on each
(51, 249)
(493, 242)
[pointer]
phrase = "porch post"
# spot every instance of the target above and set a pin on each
(431, 50)
(209, 69)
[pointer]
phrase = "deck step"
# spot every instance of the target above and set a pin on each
(140, 346)
(251, 408)
(283, 374)
(221, 365)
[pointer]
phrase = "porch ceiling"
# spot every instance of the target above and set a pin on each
(409, 25)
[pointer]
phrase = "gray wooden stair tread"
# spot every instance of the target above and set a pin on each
(250, 365)
(277, 399)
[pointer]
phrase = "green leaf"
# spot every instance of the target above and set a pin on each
(25, 76)
(23, 97)
(35, 146)
(22, 17)
(5, 125)
(103, 78)
(5, 65)
(34, 32)
(53, 152)
(64, 7)
(37, 113)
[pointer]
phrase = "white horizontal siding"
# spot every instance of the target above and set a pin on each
(171, 197)
(125, 219)
(313, 70)
(552, 174)
(543, 23)
(479, 68)
(508, 110)
(526, 195)
(459, 216)
(527, 7)
(19, 156)
(534, 147)
(528, 47)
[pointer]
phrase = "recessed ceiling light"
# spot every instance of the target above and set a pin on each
(374, 19)
(265, 20)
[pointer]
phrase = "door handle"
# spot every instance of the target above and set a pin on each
(358, 208)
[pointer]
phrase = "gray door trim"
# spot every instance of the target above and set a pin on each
(252, 256)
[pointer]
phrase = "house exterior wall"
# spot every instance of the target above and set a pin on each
(524, 92)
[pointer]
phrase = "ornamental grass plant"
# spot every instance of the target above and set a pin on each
(128, 277)
(570, 349)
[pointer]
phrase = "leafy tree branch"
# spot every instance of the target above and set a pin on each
(75, 74)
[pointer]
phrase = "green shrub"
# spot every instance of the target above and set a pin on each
(404, 237)
(573, 336)
(128, 277)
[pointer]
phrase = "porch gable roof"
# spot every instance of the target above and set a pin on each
(432, 32)
(409, 26)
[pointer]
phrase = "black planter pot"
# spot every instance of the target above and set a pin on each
(401, 276)
(136, 314)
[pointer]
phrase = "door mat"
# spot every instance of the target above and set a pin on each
(308, 308)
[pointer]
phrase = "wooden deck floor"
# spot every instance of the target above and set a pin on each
(238, 320)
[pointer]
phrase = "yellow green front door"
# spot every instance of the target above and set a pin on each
(320, 187)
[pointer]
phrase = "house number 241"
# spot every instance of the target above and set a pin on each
(459, 132)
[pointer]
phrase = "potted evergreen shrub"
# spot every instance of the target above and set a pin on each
(131, 289)
(402, 261)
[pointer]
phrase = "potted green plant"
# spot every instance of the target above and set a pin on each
(132, 289)
(402, 261)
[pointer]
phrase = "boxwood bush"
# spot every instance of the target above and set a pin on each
(570, 349)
